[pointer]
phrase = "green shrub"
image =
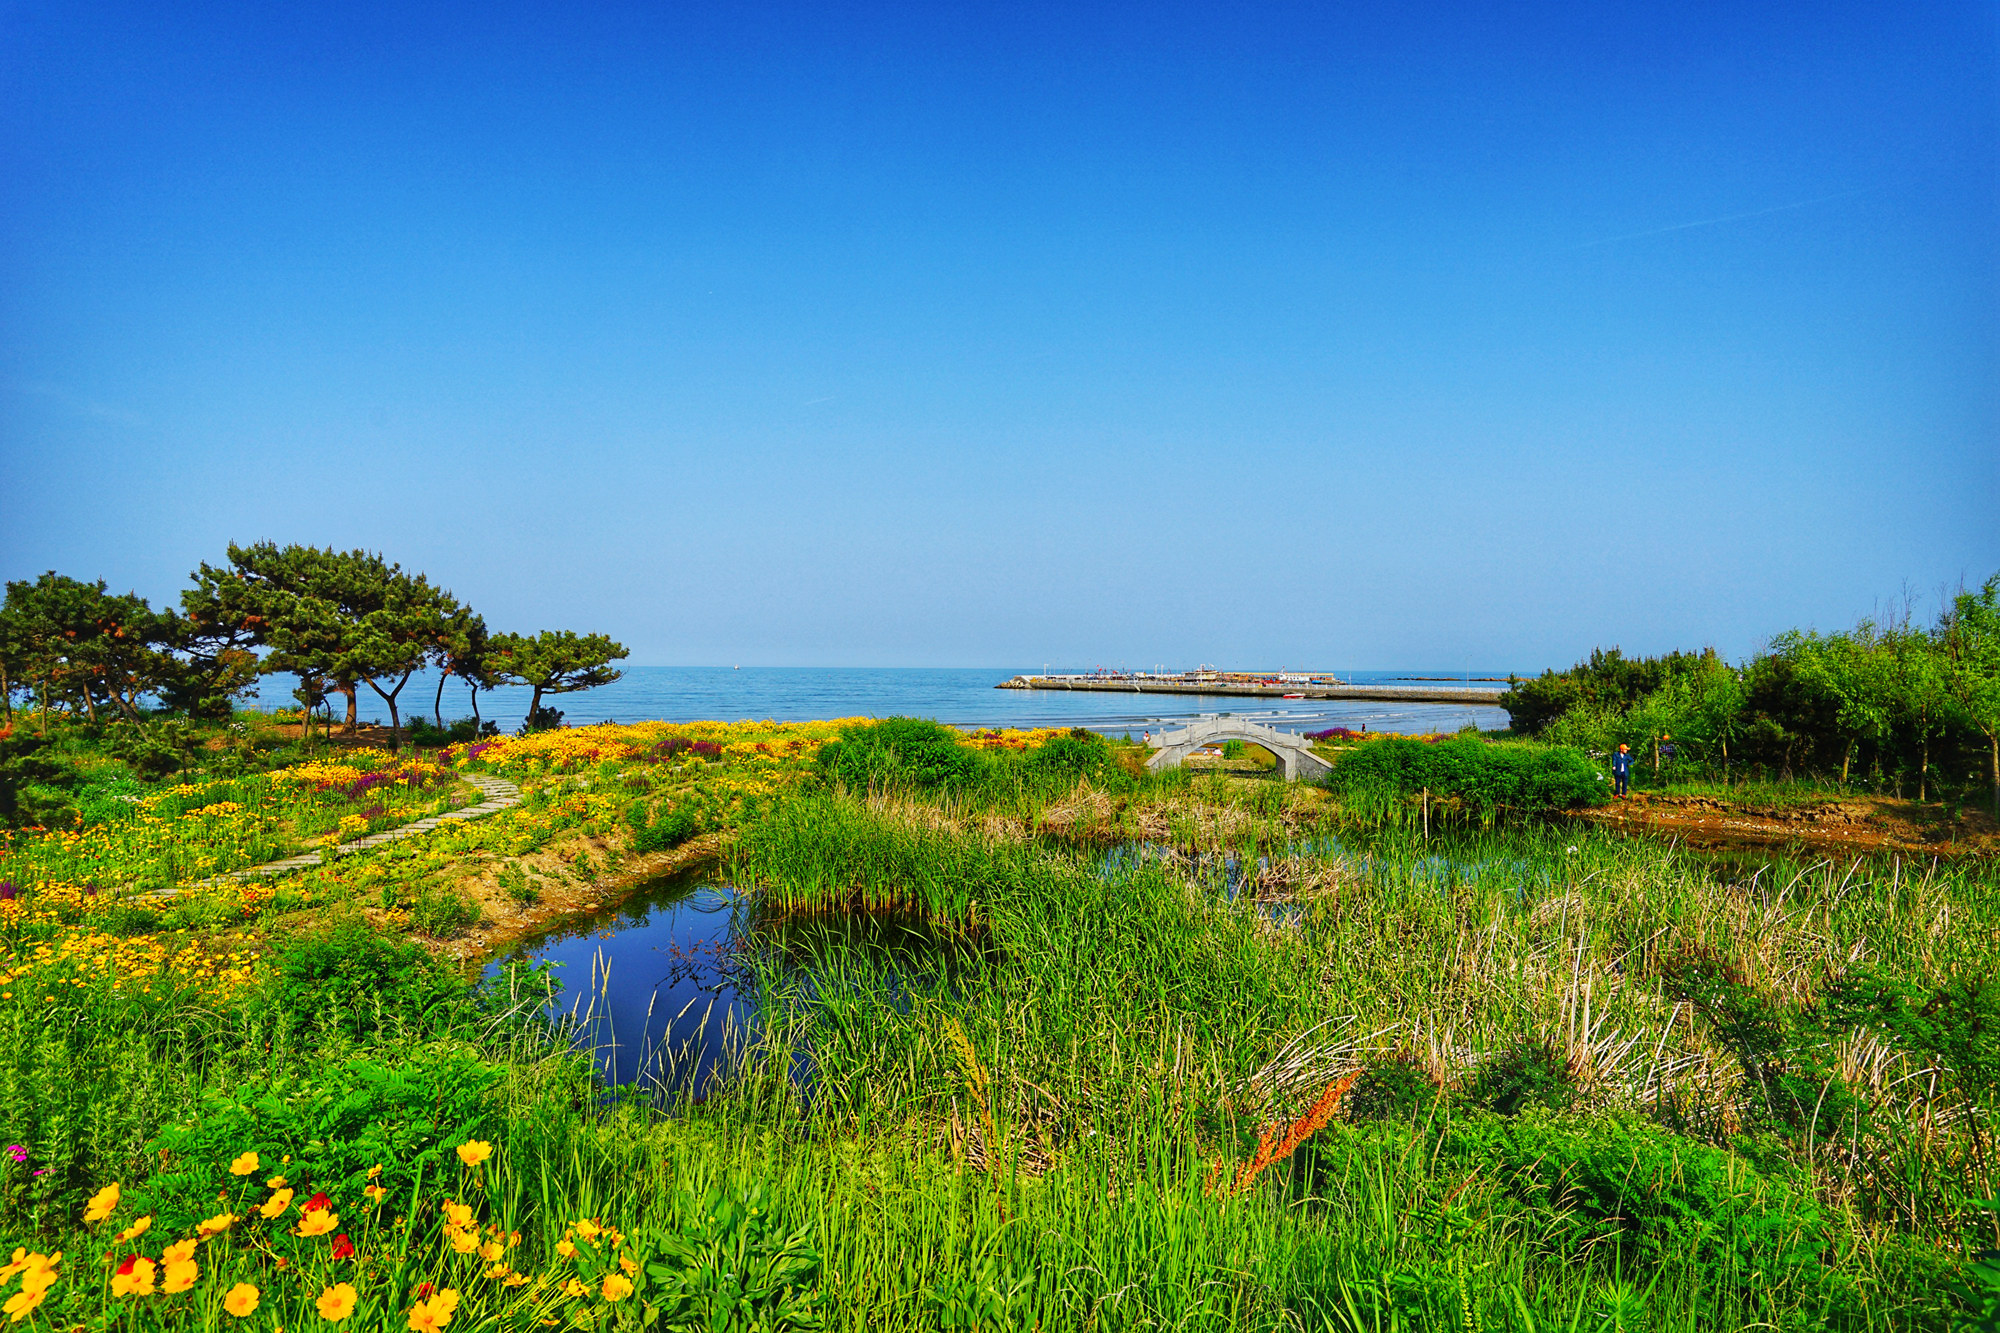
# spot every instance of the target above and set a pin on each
(333, 1125)
(1485, 777)
(441, 913)
(349, 977)
(900, 752)
(1061, 761)
(667, 831)
(1641, 1194)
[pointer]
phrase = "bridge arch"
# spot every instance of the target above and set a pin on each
(1294, 753)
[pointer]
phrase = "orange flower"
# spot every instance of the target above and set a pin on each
(276, 1204)
(241, 1300)
(179, 1252)
(216, 1225)
(134, 1277)
(457, 1215)
(102, 1204)
(244, 1165)
(475, 1152)
(318, 1222)
(137, 1229)
(180, 1275)
(337, 1302)
(617, 1287)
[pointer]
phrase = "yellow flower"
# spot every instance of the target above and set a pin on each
(337, 1302)
(575, 1289)
(373, 1193)
(180, 1275)
(241, 1300)
(276, 1204)
(617, 1287)
(179, 1252)
(102, 1204)
(137, 1229)
(567, 1249)
(457, 1214)
(276, 1182)
(133, 1278)
(465, 1242)
(475, 1152)
(23, 1302)
(513, 1280)
(433, 1314)
(244, 1165)
(216, 1225)
(629, 1264)
(318, 1222)
(588, 1230)
(375, 1171)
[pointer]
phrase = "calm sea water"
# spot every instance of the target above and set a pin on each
(963, 697)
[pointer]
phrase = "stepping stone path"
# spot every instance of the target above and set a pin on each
(500, 795)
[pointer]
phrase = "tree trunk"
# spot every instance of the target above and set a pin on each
(534, 705)
(347, 687)
(45, 707)
(1924, 773)
(6, 692)
(1846, 758)
(1993, 766)
(437, 707)
(89, 704)
(472, 687)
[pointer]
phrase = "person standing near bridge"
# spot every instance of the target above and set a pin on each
(1621, 770)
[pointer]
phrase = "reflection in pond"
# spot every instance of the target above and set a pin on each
(674, 990)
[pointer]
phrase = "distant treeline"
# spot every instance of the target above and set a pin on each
(338, 620)
(1895, 705)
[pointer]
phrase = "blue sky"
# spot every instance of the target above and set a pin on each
(1316, 335)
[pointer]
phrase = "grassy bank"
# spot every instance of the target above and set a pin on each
(1226, 1059)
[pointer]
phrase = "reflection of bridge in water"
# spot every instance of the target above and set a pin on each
(1294, 753)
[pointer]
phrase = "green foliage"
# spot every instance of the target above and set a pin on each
(1082, 755)
(1638, 1195)
(333, 1124)
(33, 782)
(441, 912)
(350, 978)
(730, 1269)
(1485, 777)
(901, 753)
(553, 662)
(668, 830)
(157, 747)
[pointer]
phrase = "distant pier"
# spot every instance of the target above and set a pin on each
(1253, 685)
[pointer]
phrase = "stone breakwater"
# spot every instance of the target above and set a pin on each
(1396, 694)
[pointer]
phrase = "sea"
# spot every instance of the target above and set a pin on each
(959, 696)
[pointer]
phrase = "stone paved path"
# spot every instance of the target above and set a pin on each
(500, 795)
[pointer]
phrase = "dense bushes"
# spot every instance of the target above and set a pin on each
(1485, 777)
(900, 752)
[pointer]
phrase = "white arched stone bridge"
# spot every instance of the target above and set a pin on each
(1294, 753)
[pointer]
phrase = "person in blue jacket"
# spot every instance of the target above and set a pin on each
(1621, 769)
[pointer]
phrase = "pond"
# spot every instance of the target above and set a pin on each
(672, 989)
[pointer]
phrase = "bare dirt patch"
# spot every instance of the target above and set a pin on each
(1848, 823)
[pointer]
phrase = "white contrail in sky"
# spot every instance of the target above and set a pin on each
(1729, 217)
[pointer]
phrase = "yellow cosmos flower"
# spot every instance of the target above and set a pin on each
(133, 1278)
(617, 1287)
(180, 1275)
(276, 1182)
(575, 1289)
(102, 1204)
(244, 1165)
(465, 1242)
(567, 1249)
(241, 1300)
(179, 1252)
(137, 1229)
(475, 1152)
(374, 1193)
(457, 1214)
(318, 1222)
(337, 1302)
(276, 1204)
(375, 1171)
(22, 1303)
(588, 1230)
(492, 1251)
(216, 1225)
